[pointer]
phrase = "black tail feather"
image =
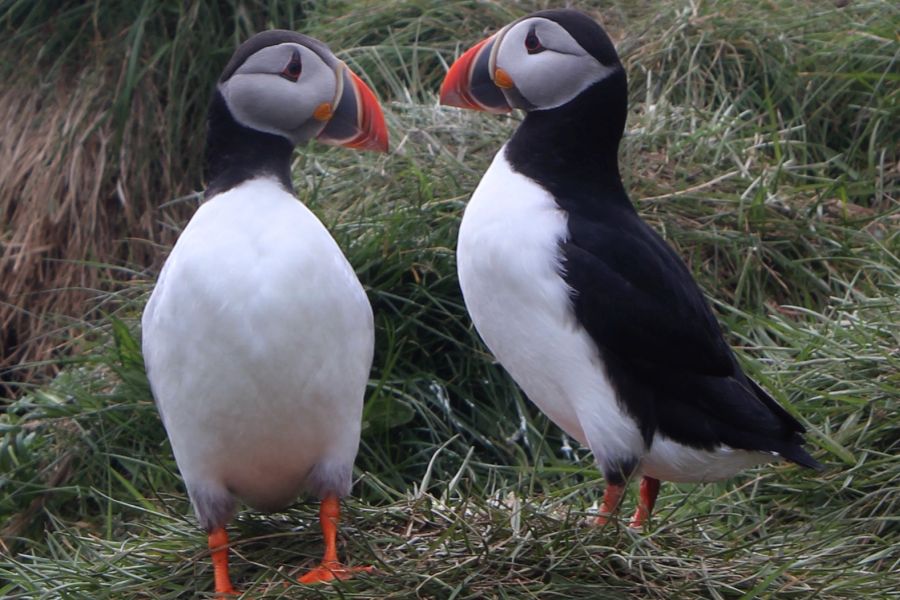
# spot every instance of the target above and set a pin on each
(786, 417)
(796, 454)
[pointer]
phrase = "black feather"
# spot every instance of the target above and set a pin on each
(659, 341)
(235, 153)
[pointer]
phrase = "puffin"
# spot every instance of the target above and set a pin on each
(258, 337)
(592, 313)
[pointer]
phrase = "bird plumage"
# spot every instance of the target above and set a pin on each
(258, 337)
(593, 314)
(258, 341)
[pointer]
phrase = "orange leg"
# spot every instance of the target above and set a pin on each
(218, 545)
(330, 568)
(649, 490)
(611, 498)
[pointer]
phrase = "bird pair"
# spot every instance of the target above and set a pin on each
(258, 337)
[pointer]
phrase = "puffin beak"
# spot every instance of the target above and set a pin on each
(354, 119)
(469, 82)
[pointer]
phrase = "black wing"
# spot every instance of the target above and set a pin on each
(661, 343)
(638, 300)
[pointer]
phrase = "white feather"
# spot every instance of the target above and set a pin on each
(552, 78)
(258, 341)
(508, 259)
(670, 461)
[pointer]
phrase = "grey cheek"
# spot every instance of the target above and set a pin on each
(306, 131)
(264, 103)
(516, 99)
(560, 79)
(253, 103)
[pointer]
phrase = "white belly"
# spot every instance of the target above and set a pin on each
(509, 270)
(258, 341)
(508, 261)
(670, 461)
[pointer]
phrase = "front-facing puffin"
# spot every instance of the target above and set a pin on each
(258, 337)
(595, 317)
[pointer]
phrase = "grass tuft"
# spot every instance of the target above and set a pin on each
(761, 142)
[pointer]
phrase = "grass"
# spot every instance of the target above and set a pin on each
(761, 142)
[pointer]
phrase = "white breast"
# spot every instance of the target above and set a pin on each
(508, 259)
(258, 340)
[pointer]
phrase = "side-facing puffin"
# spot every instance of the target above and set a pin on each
(594, 316)
(258, 337)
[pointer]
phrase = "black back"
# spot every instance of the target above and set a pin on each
(272, 37)
(572, 150)
(659, 340)
(585, 30)
(235, 153)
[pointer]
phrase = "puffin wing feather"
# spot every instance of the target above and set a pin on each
(652, 325)
(638, 300)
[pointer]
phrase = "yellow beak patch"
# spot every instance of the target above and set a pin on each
(502, 79)
(323, 112)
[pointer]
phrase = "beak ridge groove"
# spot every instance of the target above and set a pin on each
(357, 121)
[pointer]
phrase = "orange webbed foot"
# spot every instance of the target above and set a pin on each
(226, 592)
(330, 568)
(611, 498)
(329, 571)
(604, 517)
(648, 493)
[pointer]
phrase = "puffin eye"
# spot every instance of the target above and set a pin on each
(532, 43)
(293, 69)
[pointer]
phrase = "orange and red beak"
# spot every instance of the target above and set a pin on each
(469, 82)
(356, 121)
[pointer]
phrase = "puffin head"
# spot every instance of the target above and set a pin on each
(291, 85)
(539, 62)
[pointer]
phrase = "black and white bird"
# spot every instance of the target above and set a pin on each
(594, 316)
(258, 337)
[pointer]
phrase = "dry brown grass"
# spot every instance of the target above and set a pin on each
(102, 115)
(465, 490)
(102, 109)
(70, 193)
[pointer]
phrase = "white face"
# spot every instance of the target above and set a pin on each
(281, 89)
(544, 63)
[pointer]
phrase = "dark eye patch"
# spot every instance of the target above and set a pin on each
(532, 43)
(294, 68)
